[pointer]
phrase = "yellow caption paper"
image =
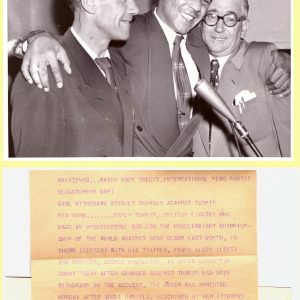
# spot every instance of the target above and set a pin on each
(143, 234)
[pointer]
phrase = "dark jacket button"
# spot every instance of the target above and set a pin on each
(139, 128)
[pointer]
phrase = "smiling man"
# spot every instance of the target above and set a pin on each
(240, 76)
(90, 116)
(160, 111)
(163, 68)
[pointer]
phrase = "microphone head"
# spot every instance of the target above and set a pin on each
(210, 95)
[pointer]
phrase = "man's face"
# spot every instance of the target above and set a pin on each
(220, 39)
(182, 15)
(113, 18)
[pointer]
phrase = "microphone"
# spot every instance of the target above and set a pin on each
(210, 95)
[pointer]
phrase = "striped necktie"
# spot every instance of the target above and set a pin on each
(105, 65)
(214, 81)
(182, 84)
(214, 75)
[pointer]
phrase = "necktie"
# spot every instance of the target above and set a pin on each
(214, 81)
(105, 65)
(214, 75)
(182, 84)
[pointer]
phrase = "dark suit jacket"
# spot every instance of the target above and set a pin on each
(83, 119)
(152, 89)
(267, 118)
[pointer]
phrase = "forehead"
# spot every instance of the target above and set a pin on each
(172, 2)
(179, 2)
(225, 6)
(112, 2)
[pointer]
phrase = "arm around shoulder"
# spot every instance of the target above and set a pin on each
(280, 107)
(278, 79)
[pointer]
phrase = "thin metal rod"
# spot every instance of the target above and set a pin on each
(235, 138)
(242, 131)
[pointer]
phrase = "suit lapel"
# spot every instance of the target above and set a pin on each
(227, 88)
(161, 96)
(126, 104)
(199, 53)
(92, 84)
(203, 130)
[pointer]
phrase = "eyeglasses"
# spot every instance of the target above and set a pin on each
(230, 19)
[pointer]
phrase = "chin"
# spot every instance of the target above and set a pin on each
(183, 29)
(122, 37)
(215, 49)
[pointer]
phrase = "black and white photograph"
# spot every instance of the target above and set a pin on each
(197, 79)
(127, 128)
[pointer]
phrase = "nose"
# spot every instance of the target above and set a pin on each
(219, 27)
(132, 7)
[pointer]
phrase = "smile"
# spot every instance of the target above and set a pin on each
(187, 16)
(127, 21)
(219, 39)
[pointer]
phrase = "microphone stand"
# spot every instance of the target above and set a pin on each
(209, 94)
(235, 138)
(243, 133)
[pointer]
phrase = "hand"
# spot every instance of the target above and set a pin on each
(43, 50)
(11, 47)
(279, 80)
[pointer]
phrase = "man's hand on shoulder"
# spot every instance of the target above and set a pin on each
(279, 79)
(43, 50)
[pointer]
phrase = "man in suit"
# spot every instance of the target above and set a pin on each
(148, 56)
(91, 115)
(240, 75)
(149, 62)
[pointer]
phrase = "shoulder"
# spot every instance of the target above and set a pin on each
(259, 48)
(259, 54)
(253, 56)
(29, 97)
(22, 87)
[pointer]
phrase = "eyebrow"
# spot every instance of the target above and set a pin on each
(215, 11)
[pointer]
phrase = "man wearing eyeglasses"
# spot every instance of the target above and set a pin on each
(238, 71)
(160, 117)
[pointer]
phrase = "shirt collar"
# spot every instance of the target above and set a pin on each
(221, 59)
(237, 57)
(88, 50)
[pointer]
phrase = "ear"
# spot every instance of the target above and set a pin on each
(89, 6)
(245, 25)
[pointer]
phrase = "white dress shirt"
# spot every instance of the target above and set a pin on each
(222, 61)
(88, 50)
(191, 67)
